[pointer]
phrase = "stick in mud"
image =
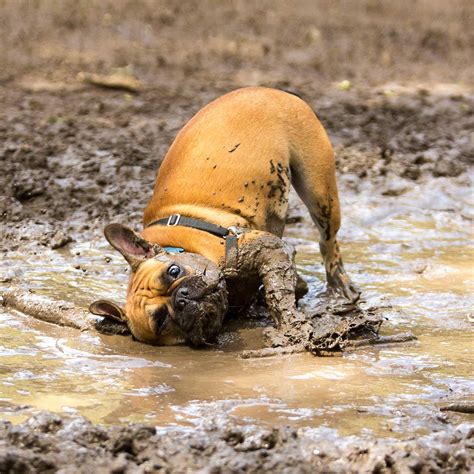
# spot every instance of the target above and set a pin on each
(43, 308)
(460, 407)
(395, 338)
(271, 352)
(297, 349)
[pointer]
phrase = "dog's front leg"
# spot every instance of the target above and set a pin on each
(272, 259)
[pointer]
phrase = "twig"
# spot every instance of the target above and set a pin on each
(271, 352)
(377, 340)
(296, 349)
(461, 407)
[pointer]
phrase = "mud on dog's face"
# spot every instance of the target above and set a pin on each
(171, 296)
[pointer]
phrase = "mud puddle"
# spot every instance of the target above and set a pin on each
(410, 253)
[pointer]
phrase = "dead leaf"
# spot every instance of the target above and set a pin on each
(112, 81)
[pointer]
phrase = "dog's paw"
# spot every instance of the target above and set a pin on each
(275, 337)
(338, 300)
(291, 332)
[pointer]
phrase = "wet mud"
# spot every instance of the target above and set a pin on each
(399, 250)
(48, 442)
(392, 86)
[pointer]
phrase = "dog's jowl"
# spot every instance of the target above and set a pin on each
(213, 227)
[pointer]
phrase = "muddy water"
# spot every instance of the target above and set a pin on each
(410, 253)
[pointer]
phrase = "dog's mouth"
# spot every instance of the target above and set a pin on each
(160, 320)
(199, 307)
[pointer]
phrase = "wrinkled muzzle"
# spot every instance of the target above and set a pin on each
(200, 304)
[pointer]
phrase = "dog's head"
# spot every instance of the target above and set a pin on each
(171, 296)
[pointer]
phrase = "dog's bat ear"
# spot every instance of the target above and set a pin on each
(134, 248)
(108, 310)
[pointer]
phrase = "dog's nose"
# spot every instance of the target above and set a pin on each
(182, 298)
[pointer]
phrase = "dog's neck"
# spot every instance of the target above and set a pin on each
(191, 240)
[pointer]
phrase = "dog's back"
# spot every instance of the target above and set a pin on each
(233, 162)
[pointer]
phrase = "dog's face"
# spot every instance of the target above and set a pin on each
(171, 296)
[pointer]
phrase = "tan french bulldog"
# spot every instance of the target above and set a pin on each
(213, 227)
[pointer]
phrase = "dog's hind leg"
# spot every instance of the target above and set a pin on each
(313, 176)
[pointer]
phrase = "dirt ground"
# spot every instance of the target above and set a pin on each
(47, 442)
(73, 161)
(390, 81)
(75, 157)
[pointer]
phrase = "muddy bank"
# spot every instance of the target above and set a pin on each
(48, 442)
(74, 157)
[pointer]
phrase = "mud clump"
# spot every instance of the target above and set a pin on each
(49, 442)
(411, 135)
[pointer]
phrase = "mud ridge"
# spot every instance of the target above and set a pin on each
(49, 442)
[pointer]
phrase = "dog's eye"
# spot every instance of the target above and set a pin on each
(174, 271)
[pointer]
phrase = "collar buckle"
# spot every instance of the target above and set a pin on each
(235, 231)
(173, 220)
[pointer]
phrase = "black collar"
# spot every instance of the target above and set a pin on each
(230, 234)
(178, 219)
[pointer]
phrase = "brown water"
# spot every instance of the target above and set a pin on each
(412, 253)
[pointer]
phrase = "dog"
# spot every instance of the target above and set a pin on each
(213, 227)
